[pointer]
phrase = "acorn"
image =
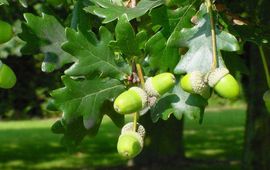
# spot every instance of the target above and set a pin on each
(130, 142)
(159, 84)
(6, 32)
(223, 83)
(194, 83)
(7, 77)
(130, 101)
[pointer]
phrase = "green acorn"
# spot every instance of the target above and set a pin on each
(130, 101)
(159, 84)
(223, 83)
(130, 143)
(266, 98)
(7, 77)
(194, 83)
(6, 32)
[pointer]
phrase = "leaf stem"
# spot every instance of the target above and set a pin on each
(140, 74)
(136, 114)
(213, 33)
(265, 65)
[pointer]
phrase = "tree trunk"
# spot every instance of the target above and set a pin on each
(257, 133)
(163, 143)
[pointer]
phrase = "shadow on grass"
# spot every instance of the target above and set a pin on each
(217, 144)
(38, 148)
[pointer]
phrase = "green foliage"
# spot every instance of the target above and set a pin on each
(162, 108)
(3, 2)
(91, 45)
(109, 11)
(198, 40)
(162, 56)
(48, 35)
(126, 40)
(93, 56)
(101, 58)
(85, 98)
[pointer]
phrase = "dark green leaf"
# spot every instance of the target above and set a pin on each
(45, 34)
(141, 38)
(235, 63)
(125, 37)
(109, 11)
(85, 98)
(118, 119)
(253, 34)
(168, 19)
(58, 127)
(51, 106)
(162, 56)
(79, 17)
(75, 132)
(163, 108)
(92, 55)
(191, 105)
(198, 40)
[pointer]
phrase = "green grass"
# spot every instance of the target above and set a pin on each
(30, 144)
(219, 138)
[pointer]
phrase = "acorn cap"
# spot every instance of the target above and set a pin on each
(129, 127)
(149, 88)
(198, 84)
(215, 75)
(141, 93)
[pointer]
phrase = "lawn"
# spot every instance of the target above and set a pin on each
(30, 144)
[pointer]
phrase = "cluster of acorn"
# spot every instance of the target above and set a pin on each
(130, 142)
(7, 76)
(219, 79)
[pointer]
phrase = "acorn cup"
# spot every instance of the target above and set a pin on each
(159, 84)
(130, 142)
(266, 98)
(7, 76)
(130, 101)
(194, 83)
(223, 83)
